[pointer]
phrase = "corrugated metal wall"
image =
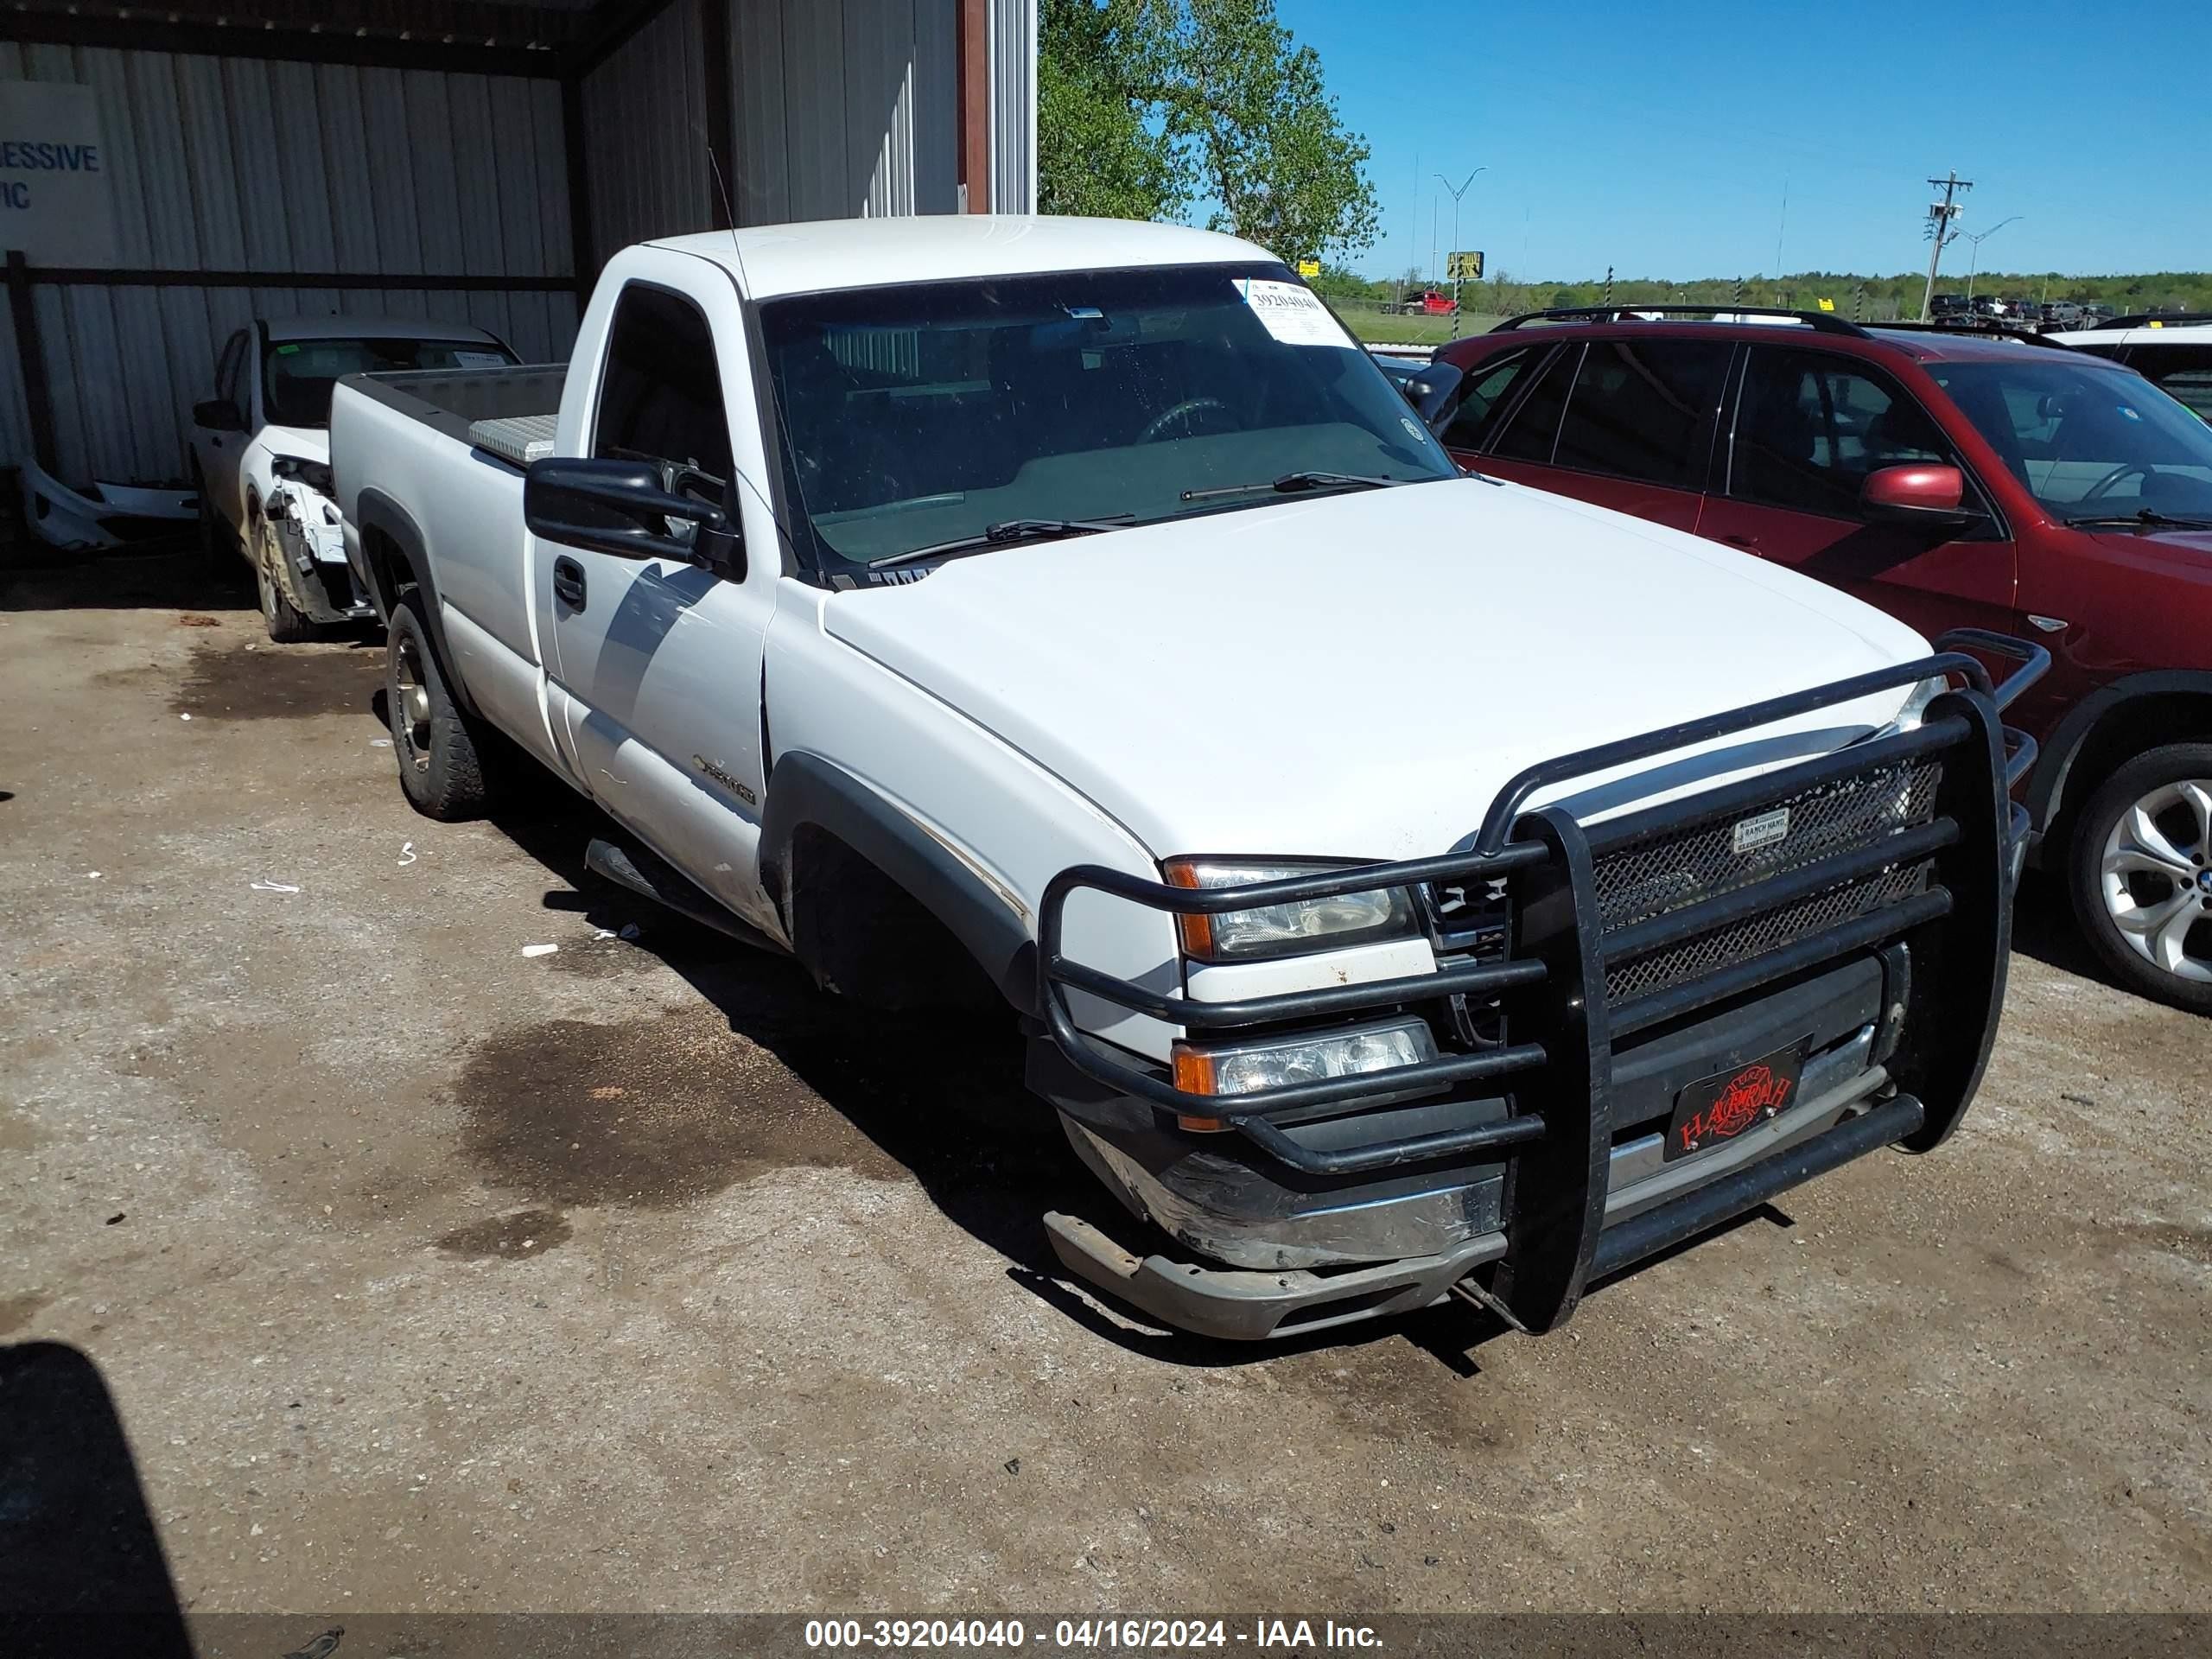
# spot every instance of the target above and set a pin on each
(1014, 106)
(842, 107)
(845, 107)
(644, 110)
(244, 164)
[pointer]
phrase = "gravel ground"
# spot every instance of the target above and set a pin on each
(428, 1275)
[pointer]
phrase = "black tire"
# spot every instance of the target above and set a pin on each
(2150, 892)
(441, 750)
(286, 624)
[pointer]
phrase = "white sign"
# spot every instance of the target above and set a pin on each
(57, 197)
(1292, 313)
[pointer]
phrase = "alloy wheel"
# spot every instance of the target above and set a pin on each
(410, 702)
(2157, 877)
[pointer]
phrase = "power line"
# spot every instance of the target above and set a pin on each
(1940, 215)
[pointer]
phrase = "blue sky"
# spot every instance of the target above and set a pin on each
(1664, 150)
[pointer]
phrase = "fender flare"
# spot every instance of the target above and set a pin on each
(375, 511)
(2054, 771)
(804, 788)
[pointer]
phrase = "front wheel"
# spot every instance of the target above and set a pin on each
(287, 626)
(2141, 874)
(442, 763)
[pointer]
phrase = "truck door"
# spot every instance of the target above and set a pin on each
(656, 664)
(219, 451)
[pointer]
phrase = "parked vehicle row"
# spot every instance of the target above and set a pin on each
(2035, 315)
(1954, 478)
(1412, 884)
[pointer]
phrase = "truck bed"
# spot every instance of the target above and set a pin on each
(509, 413)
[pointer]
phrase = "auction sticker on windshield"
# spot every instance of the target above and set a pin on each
(1292, 315)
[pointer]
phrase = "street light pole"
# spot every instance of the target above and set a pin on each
(1973, 261)
(1458, 191)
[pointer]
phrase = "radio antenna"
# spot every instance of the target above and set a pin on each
(729, 212)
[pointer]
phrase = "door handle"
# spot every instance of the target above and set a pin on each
(568, 583)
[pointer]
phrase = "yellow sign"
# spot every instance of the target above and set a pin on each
(1465, 267)
(1828, 305)
(1309, 267)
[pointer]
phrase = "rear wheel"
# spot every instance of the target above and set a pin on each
(2142, 873)
(440, 749)
(287, 626)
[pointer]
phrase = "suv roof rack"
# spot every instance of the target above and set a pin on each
(1986, 328)
(2155, 318)
(1826, 323)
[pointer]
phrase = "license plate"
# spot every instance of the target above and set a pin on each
(1716, 1110)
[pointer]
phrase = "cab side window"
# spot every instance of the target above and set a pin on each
(226, 368)
(1642, 409)
(1810, 426)
(1488, 386)
(660, 396)
(1532, 430)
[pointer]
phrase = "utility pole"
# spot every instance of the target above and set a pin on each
(1452, 252)
(1609, 286)
(1940, 215)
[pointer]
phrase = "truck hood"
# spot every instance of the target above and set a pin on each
(1357, 675)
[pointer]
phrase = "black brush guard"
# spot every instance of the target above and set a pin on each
(1553, 979)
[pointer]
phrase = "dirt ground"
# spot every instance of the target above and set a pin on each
(429, 1275)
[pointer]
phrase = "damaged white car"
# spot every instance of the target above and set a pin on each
(261, 451)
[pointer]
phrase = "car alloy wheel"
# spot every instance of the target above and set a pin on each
(2157, 877)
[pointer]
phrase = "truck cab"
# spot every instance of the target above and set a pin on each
(1408, 884)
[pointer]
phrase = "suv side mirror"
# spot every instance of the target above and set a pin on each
(219, 415)
(621, 507)
(1431, 392)
(1915, 494)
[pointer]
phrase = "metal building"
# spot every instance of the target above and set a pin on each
(468, 160)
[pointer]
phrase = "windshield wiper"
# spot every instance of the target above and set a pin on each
(1006, 531)
(1292, 483)
(2141, 518)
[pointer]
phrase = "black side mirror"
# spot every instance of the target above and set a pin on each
(624, 508)
(219, 415)
(1431, 392)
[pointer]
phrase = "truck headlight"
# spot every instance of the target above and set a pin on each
(1243, 1068)
(1290, 930)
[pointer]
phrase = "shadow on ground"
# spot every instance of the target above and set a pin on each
(2043, 927)
(164, 576)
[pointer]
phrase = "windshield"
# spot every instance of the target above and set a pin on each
(2088, 441)
(918, 418)
(299, 373)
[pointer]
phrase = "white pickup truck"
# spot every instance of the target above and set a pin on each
(1409, 885)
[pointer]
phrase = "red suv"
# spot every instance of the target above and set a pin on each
(1955, 479)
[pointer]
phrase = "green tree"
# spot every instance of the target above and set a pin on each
(1263, 134)
(1147, 108)
(1102, 149)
